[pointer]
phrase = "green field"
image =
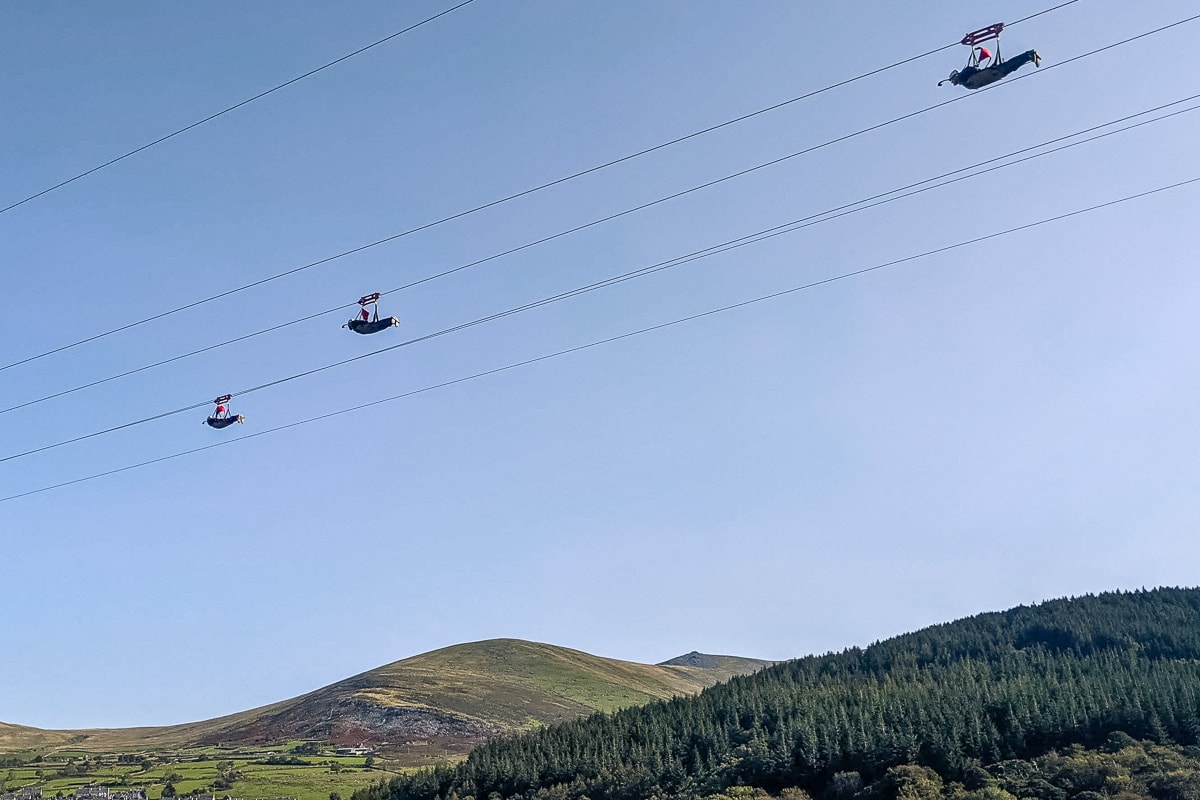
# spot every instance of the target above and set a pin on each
(195, 772)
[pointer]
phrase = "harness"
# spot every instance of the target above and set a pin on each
(975, 38)
(222, 412)
(373, 301)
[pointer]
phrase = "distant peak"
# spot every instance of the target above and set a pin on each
(724, 666)
(693, 659)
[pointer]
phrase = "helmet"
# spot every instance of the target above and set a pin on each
(953, 77)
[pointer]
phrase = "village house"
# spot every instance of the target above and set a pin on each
(128, 794)
(28, 793)
(354, 751)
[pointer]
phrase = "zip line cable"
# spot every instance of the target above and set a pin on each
(233, 107)
(733, 244)
(1039, 13)
(823, 216)
(770, 233)
(386, 39)
(534, 189)
(366, 355)
(617, 338)
(713, 250)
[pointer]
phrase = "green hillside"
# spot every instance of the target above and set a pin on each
(951, 699)
(424, 708)
(454, 698)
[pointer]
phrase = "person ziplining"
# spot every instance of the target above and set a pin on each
(221, 418)
(369, 321)
(983, 67)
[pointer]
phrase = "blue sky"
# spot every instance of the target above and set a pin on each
(991, 426)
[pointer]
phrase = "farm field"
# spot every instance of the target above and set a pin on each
(250, 773)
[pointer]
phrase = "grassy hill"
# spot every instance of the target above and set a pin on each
(424, 708)
(14, 738)
(451, 699)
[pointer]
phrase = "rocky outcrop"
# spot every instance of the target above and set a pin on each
(356, 721)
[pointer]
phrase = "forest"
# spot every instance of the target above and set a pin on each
(996, 704)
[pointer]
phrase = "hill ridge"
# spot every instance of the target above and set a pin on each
(449, 699)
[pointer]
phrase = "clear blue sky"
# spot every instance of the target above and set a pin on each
(988, 427)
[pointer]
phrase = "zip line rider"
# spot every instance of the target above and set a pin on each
(979, 72)
(366, 322)
(221, 418)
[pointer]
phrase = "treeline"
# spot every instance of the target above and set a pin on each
(1121, 769)
(981, 691)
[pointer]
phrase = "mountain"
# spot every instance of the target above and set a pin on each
(438, 704)
(983, 703)
(725, 666)
(452, 698)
